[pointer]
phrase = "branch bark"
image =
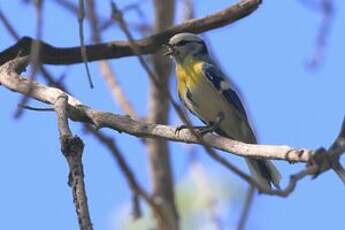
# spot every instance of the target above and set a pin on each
(72, 148)
(116, 49)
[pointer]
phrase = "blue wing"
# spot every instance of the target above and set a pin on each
(216, 77)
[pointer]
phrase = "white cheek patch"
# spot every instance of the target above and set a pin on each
(224, 85)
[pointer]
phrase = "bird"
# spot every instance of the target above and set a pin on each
(208, 94)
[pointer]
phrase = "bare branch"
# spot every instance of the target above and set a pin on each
(76, 111)
(107, 73)
(246, 208)
(79, 112)
(36, 109)
(327, 11)
(116, 49)
(158, 112)
(311, 170)
(134, 185)
(72, 148)
(8, 26)
(70, 6)
(34, 55)
(112, 147)
(83, 51)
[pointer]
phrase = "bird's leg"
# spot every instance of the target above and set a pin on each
(212, 126)
(202, 130)
(179, 128)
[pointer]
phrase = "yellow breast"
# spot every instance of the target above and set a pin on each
(189, 74)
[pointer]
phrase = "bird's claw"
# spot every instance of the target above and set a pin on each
(179, 128)
(200, 130)
(204, 130)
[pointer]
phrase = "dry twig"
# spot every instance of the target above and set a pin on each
(134, 185)
(107, 73)
(83, 51)
(72, 148)
(246, 208)
(326, 8)
(34, 55)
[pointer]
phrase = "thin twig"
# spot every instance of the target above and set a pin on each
(327, 11)
(36, 109)
(128, 173)
(34, 55)
(107, 73)
(246, 208)
(68, 5)
(8, 26)
(83, 51)
(45, 73)
(294, 179)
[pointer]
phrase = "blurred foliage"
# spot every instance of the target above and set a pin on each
(203, 199)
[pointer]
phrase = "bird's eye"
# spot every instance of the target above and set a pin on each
(181, 43)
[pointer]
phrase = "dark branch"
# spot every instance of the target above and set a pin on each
(116, 49)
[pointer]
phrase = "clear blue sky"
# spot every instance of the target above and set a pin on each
(265, 54)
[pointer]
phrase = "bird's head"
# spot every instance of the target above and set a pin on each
(184, 45)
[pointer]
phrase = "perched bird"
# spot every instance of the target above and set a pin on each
(206, 92)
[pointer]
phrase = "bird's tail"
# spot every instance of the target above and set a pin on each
(264, 172)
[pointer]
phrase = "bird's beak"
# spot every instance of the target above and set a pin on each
(168, 49)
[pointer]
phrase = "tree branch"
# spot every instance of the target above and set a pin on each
(116, 49)
(156, 81)
(104, 66)
(81, 16)
(78, 112)
(246, 208)
(319, 161)
(158, 112)
(72, 148)
(133, 184)
(34, 55)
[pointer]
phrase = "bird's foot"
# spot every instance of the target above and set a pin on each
(212, 126)
(196, 128)
(202, 130)
(206, 129)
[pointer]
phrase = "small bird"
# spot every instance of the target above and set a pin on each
(206, 92)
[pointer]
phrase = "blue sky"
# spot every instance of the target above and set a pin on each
(265, 54)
